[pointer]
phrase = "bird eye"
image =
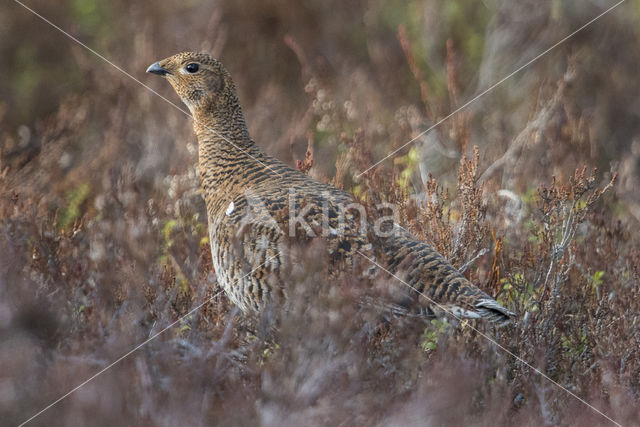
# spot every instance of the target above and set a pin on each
(192, 67)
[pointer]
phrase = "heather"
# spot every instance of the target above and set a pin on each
(531, 190)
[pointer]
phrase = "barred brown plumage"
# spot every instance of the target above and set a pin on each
(250, 196)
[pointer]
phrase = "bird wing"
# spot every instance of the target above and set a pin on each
(254, 237)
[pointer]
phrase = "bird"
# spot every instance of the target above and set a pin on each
(251, 200)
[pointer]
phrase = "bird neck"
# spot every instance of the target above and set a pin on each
(221, 119)
(224, 149)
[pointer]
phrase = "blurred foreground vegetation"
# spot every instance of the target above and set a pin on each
(103, 238)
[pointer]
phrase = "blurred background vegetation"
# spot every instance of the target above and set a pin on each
(103, 240)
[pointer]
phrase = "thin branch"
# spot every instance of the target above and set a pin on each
(472, 260)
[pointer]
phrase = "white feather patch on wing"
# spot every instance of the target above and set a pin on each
(462, 312)
(493, 305)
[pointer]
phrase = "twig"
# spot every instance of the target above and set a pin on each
(534, 126)
(472, 260)
(415, 70)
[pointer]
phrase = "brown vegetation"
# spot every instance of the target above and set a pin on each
(103, 238)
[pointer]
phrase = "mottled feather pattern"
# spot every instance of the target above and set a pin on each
(250, 196)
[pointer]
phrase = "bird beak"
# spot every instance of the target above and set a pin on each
(155, 68)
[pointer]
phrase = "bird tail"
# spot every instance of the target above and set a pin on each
(437, 283)
(485, 308)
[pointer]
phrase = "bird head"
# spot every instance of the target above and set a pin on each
(201, 81)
